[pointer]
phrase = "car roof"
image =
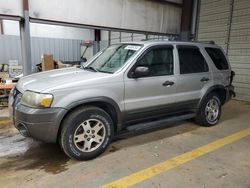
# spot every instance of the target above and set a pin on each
(160, 42)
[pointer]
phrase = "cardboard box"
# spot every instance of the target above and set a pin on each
(60, 65)
(47, 62)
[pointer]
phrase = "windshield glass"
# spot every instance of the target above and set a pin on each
(113, 57)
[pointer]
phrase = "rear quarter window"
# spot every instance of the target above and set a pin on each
(218, 58)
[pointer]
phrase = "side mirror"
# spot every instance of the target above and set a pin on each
(140, 72)
(83, 61)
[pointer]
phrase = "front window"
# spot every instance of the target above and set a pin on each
(113, 58)
(159, 61)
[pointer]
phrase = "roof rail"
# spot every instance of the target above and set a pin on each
(206, 41)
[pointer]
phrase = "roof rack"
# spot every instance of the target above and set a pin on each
(170, 38)
(177, 39)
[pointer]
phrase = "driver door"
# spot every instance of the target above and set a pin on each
(151, 95)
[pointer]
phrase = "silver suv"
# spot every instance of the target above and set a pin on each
(123, 85)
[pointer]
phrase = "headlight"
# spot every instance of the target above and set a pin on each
(34, 99)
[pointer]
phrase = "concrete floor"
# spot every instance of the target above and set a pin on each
(28, 163)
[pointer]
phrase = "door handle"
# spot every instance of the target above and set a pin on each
(168, 83)
(204, 79)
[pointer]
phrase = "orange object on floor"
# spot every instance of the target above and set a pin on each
(7, 86)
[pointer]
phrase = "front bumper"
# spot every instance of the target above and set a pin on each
(40, 124)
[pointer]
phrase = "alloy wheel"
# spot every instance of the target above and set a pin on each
(212, 110)
(89, 135)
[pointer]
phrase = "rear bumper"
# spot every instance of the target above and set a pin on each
(40, 124)
(229, 92)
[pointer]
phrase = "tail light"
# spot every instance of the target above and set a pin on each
(232, 76)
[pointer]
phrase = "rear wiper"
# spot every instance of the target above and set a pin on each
(91, 68)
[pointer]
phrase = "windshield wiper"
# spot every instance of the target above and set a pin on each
(105, 71)
(91, 68)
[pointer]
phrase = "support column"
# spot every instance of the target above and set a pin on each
(186, 20)
(25, 40)
(97, 39)
(197, 19)
(109, 38)
(229, 25)
(1, 26)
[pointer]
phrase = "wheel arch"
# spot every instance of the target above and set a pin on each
(105, 103)
(218, 89)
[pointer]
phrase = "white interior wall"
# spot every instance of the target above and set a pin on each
(104, 35)
(11, 7)
(11, 27)
(143, 15)
(42, 30)
(49, 31)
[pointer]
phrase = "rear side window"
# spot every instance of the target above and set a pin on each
(218, 58)
(191, 60)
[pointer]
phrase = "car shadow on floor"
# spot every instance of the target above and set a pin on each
(32, 154)
(151, 134)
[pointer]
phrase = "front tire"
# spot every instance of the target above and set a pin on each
(210, 111)
(86, 133)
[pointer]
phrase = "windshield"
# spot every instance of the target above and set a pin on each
(113, 58)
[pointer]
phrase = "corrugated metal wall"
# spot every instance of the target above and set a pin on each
(215, 23)
(239, 48)
(63, 49)
(10, 49)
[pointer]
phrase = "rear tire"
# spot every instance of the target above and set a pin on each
(210, 111)
(86, 133)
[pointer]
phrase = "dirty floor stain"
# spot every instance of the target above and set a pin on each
(20, 153)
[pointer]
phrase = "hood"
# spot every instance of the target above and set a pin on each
(40, 82)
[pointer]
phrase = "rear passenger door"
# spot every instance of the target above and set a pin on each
(194, 75)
